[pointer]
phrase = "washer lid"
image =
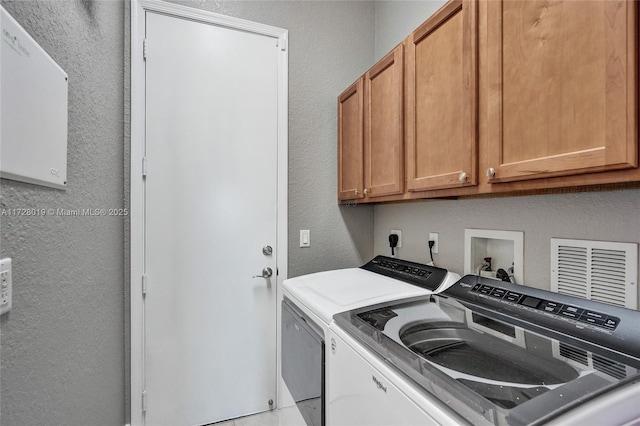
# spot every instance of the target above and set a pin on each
(331, 292)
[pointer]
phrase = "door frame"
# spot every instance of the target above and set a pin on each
(137, 187)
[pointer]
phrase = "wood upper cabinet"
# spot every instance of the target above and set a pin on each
(561, 87)
(350, 146)
(441, 100)
(371, 132)
(384, 126)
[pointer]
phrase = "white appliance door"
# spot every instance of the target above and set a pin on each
(361, 395)
(210, 194)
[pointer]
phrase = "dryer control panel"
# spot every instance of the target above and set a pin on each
(424, 276)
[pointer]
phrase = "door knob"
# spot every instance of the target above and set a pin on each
(267, 250)
(491, 172)
(266, 273)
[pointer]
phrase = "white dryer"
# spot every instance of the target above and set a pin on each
(311, 301)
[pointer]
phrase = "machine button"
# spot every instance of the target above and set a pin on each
(415, 271)
(531, 302)
(485, 289)
(571, 311)
(611, 322)
(551, 307)
(498, 293)
(476, 287)
(422, 273)
(593, 315)
(592, 319)
(513, 296)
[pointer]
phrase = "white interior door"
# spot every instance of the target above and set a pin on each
(210, 193)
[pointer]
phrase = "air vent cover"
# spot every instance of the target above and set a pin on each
(597, 270)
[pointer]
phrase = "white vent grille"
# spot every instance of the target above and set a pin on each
(602, 271)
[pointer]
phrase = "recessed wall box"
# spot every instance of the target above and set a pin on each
(505, 248)
(33, 94)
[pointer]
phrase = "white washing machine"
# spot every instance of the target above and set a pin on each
(311, 301)
(485, 352)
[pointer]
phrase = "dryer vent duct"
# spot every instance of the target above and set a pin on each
(597, 270)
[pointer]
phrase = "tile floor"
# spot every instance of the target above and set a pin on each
(289, 416)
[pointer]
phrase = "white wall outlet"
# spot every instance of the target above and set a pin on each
(399, 234)
(305, 238)
(433, 236)
(5, 285)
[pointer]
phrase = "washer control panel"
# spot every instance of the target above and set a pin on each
(593, 326)
(551, 307)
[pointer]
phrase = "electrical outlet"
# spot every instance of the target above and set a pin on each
(6, 287)
(399, 234)
(433, 236)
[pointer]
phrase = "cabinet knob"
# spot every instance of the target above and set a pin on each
(462, 177)
(357, 192)
(491, 172)
(366, 191)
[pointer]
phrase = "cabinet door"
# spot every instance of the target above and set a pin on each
(561, 87)
(350, 143)
(384, 126)
(442, 100)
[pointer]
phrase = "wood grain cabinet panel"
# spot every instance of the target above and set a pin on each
(561, 95)
(441, 101)
(350, 146)
(384, 126)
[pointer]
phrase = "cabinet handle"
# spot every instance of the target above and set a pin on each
(366, 191)
(462, 177)
(491, 172)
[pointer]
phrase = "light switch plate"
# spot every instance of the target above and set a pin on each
(5, 285)
(305, 238)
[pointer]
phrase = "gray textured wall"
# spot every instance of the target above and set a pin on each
(396, 19)
(62, 345)
(605, 216)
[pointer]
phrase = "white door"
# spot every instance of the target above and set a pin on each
(211, 185)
